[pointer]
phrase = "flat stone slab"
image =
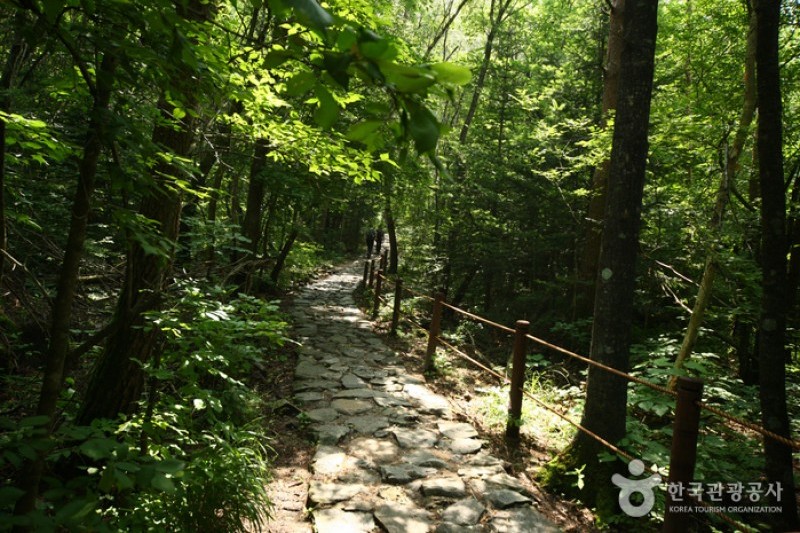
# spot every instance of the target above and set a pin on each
(457, 430)
(328, 460)
(521, 519)
(464, 446)
(378, 451)
(466, 512)
(504, 498)
(447, 527)
(313, 384)
(403, 518)
(404, 473)
(351, 407)
(341, 521)
(426, 458)
(351, 381)
(323, 414)
(307, 370)
(368, 424)
(414, 438)
(428, 401)
(325, 493)
(310, 396)
(480, 471)
(331, 433)
(355, 393)
(448, 487)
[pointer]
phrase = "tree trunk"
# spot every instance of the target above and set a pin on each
(391, 229)
(499, 10)
(606, 395)
(597, 203)
(251, 226)
(284, 253)
(53, 378)
(118, 379)
(723, 194)
(772, 324)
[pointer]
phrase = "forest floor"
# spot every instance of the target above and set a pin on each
(364, 443)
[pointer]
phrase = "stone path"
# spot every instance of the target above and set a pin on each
(390, 456)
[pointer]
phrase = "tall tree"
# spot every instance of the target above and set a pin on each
(605, 411)
(101, 88)
(772, 324)
(597, 203)
(118, 379)
(727, 177)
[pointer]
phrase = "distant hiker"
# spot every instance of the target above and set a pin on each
(378, 241)
(370, 241)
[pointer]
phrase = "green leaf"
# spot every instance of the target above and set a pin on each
(74, 510)
(451, 73)
(169, 466)
(406, 79)
(300, 83)
(362, 131)
(376, 49)
(336, 65)
(163, 483)
(31, 421)
(423, 128)
(276, 58)
(346, 39)
(98, 448)
(9, 495)
(328, 111)
(310, 13)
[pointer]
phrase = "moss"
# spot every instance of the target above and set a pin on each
(562, 475)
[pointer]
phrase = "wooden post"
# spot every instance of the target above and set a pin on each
(683, 453)
(398, 296)
(517, 382)
(384, 259)
(371, 272)
(366, 272)
(434, 330)
(377, 302)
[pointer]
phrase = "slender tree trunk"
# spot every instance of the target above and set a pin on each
(391, 229)
(723, 194)
(497, 15)
(597, 203)
(251, 226)
(53, 379)
(605, 411)
(118, 379)
(772, 325)
(280, 261)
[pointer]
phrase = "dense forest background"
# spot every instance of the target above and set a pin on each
(170, 169)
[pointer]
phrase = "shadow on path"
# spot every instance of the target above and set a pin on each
(389, 455)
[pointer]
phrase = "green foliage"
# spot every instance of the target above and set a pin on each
(206, 460)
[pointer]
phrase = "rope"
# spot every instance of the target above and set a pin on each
(607, 368)
(478, 318)
(415, 324)
(795, 445)
(735, 523)
(415, 293)
(505, 380)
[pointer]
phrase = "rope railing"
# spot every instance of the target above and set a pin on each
(688, 395)
(795, 445)
(506, 381)
(607, 368)
(478, 318)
